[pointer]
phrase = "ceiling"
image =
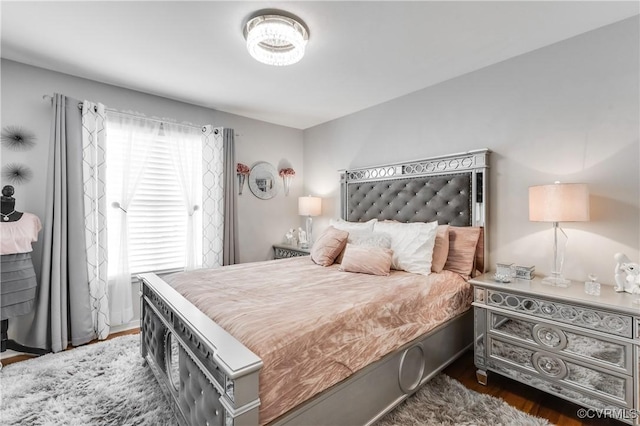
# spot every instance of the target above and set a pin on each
(359, 53)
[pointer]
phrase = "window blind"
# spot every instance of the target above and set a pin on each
(157, 215)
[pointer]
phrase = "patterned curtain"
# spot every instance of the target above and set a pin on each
(95, 218)
(212, 197)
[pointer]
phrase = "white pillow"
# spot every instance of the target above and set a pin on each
(412, 244)
(369, 239)
(352, 226)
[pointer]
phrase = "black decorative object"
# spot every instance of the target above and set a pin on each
(16, 173)
(16, 138)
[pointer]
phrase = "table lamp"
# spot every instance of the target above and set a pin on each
(560, 202)
(309, 207)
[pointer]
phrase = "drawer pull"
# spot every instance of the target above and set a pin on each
(549, 337)
(549, 366)
(548, 309)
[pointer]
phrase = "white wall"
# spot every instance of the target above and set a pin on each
(260, 222)
(565, 112)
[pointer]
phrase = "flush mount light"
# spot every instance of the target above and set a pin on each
(275, 39)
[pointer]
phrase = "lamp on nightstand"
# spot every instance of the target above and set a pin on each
(560, 202)
(309, 206)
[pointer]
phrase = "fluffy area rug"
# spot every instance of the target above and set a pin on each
(106, 384)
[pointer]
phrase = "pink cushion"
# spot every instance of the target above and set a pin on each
(328, 246)
(462, 249)
(366, 260)
(440, 249)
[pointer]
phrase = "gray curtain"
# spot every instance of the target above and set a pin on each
(230, 239)
(63, 313)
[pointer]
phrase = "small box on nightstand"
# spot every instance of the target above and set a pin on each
(525, 272)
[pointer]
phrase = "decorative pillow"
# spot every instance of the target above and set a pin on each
(462, 249)
(412, 244)
(328, 246)
(352, 226)
(366, 260)
(440, 248)
(368, 239)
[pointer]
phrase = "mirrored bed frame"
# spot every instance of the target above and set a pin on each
(211, 378)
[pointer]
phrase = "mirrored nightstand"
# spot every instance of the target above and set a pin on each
(284, 251)
(580, 347)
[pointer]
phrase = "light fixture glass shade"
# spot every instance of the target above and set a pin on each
(309, 206)
(560, 202)
(276, 40)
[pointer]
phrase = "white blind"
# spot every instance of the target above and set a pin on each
(157, 215)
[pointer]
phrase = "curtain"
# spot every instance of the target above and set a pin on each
(62, 312)
(95, 218)
(212, 197)
(230, 238)
(186, 146)
(129, 162)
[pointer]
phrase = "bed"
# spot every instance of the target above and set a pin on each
(211, 371)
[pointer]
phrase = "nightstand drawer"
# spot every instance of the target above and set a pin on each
(592, 319)
(614, 388)
(556, 388)
(607, 353)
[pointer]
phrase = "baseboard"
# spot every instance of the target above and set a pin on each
(9, 353)
(124, 327)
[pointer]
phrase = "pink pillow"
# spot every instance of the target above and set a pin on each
(366, 260)
(440, 249)
(328, 246)
(462, 249)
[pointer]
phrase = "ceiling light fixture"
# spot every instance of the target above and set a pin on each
(275, 39)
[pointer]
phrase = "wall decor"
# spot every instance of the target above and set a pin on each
(263, 180)
(16, 174)
(242, 171)
(17, 138)
(287, 175)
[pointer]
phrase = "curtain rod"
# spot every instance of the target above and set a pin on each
(115, 111)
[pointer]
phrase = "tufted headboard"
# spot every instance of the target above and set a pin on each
(450, 189)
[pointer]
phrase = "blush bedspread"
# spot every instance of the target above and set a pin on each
(314, 326)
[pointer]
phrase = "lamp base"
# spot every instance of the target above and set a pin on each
(556, 280)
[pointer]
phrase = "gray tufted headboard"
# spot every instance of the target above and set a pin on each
(450, 189)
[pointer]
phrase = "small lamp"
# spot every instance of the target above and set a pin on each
(560, 202)
(309, 206)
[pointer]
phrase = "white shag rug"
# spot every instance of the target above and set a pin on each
(106, 384)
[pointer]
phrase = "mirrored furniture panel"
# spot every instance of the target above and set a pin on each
(284, 251)
(580, 347)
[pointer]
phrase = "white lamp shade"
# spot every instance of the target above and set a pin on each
(309, 206)
(559, 202)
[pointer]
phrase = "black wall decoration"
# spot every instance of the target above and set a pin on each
(16, 174)
(17, 138)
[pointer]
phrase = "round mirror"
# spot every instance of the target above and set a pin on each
(263, 180)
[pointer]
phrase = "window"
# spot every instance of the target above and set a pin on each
(146, 163)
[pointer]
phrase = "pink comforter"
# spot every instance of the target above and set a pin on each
(313, 326)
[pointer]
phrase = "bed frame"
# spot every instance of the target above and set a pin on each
(211, 378)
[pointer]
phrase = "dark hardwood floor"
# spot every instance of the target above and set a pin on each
(518, 395)
(523, 397)
(19, 358)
